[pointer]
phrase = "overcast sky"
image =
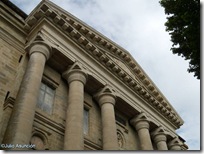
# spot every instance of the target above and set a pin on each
(138, 26)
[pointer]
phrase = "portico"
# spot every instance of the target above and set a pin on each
(87, 71)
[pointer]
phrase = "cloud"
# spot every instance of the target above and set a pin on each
(26, 5)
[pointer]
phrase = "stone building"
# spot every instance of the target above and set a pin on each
(65, 86)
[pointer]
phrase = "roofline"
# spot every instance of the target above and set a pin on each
(15, 8)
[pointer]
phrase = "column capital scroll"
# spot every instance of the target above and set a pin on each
(140, 121)
(159, 134)
(106, 95)
(175, 144)
(76, 73)
(40, 46)
(159, 137)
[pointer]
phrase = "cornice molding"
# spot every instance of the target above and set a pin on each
(89, 40)
(51, 124)
(10, 16)
(91, 145)
(13, 7)
(12, 41)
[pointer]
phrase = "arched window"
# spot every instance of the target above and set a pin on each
(40, 142)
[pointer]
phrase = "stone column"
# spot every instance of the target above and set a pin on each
(159, 138)
(175, 144)
(74, 137)
(21, 121)
(106, 100)
(141, 124)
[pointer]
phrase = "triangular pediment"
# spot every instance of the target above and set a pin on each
(111, 55)
(121, 64)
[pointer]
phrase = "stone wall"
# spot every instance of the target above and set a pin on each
(12, 66)
(9, 76)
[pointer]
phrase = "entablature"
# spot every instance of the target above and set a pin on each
(11, 15)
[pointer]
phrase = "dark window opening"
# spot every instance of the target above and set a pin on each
(86, 121)
(120, 120)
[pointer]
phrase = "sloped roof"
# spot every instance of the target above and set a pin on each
(15, 8)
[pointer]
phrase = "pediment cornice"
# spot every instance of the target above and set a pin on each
(90, 40)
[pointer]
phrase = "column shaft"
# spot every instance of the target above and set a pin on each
(145, 140)
(141, 124)
(159, 138)
(74, 139)
(109, 127)
(106, 100)
(74, 136)
(20, 124)
(175, 147)
(161, 145)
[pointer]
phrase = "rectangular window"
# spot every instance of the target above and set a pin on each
(86, 121)
(46, 98)
(120, 120)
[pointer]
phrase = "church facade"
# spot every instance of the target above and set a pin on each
(65, 86)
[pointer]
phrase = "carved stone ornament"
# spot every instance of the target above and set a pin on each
(120, 140)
